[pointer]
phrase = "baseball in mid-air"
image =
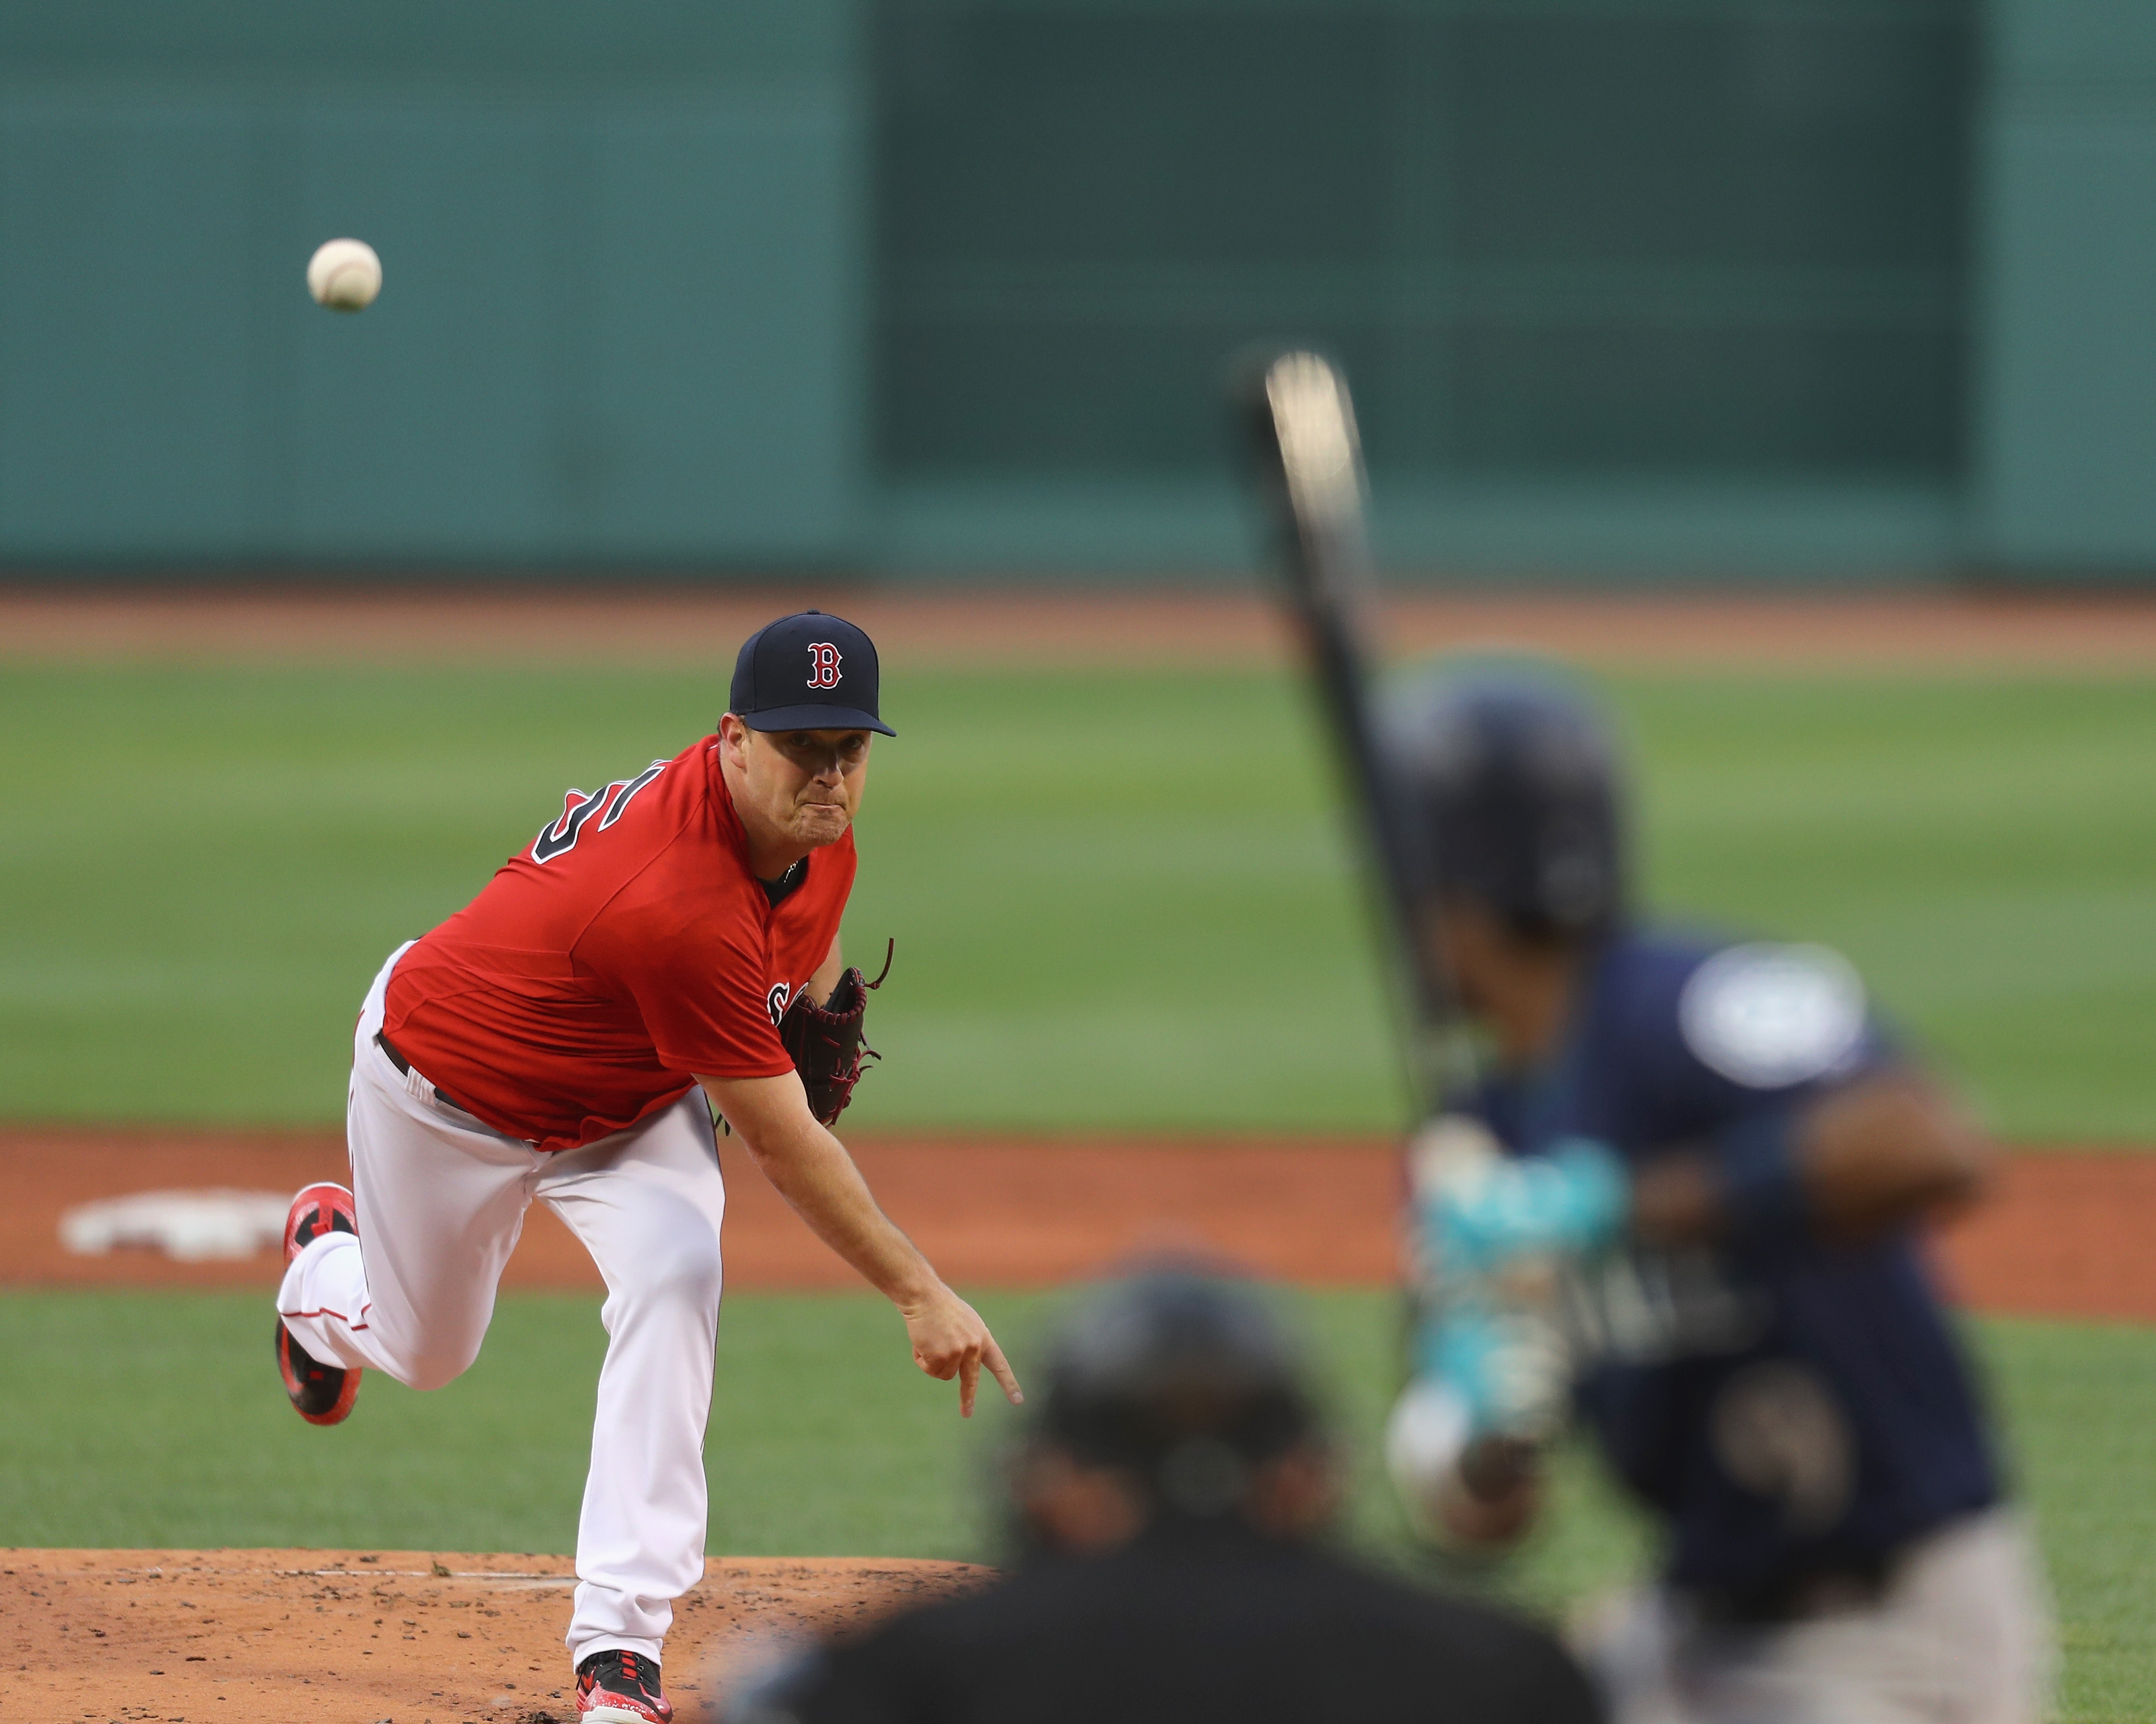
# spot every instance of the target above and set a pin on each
(344, 274)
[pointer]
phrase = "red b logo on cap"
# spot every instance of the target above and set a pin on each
(822, 664)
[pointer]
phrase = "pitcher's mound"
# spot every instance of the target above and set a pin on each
(356, 1637)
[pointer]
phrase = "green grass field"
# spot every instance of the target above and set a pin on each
(1121, 901)
(825, 1440)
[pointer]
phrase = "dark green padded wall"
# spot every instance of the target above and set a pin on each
(622, 244)
(1793, 286)
(1645, 239)
(2066, 473)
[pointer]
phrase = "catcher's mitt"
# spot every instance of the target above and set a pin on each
(826, 1042)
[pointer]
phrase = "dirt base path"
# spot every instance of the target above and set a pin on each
(386, 1637)
(2066, 1235)
(1001, 627)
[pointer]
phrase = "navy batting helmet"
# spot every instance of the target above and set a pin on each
(1515, 790)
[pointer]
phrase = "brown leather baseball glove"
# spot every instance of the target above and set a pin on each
(826, 1041)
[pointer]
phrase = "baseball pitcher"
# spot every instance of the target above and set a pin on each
(667, 947)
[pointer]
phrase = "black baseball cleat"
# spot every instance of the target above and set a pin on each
(618, 1687)
(321, 1394)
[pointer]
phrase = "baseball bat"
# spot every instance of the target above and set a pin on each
(1308, 462)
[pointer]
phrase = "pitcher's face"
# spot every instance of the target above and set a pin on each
(797, 787)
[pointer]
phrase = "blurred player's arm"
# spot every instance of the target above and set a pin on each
(1868, 1157)
(812, 1171)
(1864, 1159)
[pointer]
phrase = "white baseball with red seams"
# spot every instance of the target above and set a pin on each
(344, 274)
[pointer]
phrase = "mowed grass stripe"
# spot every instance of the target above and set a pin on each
(1123, 901)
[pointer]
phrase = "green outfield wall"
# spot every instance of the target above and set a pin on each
(2065, 473)
(622, 252)
(1765, 288)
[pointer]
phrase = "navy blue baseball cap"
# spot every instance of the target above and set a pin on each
(808, 672)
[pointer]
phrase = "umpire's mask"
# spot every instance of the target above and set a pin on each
(1184, 1380)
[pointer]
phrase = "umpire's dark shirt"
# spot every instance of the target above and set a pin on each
(1187, 1625)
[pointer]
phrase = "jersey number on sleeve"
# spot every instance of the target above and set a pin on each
(578, 809)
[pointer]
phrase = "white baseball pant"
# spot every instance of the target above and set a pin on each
(441, 1200)
(1962, 1635)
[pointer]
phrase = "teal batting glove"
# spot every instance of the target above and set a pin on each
(1508, 1370)
(1479, 1216)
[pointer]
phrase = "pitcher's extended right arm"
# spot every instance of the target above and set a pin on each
(812, 1172)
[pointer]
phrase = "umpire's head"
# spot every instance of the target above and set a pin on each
(1175, 1397)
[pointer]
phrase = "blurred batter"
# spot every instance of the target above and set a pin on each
(1726, 1157)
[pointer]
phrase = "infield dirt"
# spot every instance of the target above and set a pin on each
(387, 1637)
(2064, 1234)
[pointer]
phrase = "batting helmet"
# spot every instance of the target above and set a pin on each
(1515, 794)
(1185, 1379)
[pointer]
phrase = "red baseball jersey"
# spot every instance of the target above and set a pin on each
(626, 950)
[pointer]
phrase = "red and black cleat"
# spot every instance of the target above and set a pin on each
(618, 1687)
(321, 1394)
(317, 1210)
